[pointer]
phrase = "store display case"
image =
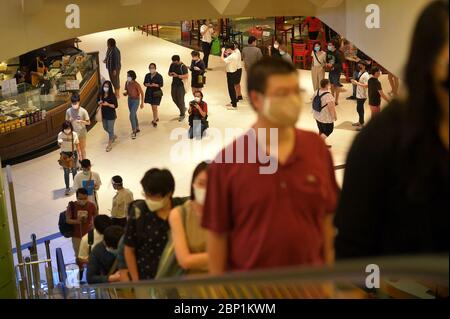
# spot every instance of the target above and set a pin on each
(31, 118)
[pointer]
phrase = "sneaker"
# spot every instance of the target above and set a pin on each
(133, 136)
(352, 97)
(182, 117)
(357, 124)
(67, 192)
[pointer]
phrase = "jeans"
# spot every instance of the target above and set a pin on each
(73, 170)
(108, 126)
(360, 109)
(197, 129)
(355, 77)
(133, 106)
(178, 93)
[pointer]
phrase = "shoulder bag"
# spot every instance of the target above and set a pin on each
(67, 161)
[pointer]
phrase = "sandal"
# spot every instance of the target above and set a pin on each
(109, 148)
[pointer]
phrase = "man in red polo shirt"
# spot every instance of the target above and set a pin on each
(278, 217)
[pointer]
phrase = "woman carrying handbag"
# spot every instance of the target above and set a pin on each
(69, 144)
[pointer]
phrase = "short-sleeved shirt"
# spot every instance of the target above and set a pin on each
(133, 89)
(233, 62)
(374, 91)
(313, 23)
(66, 145)
(361, 92)
(83, 252)
(335, 58)
(272, 220)
(179, 69)
(120, 203)
(73, 115)
(109, 113)
(82, 180)
(325, 115)
(80, 230)
(207, 37)
(148, 234)
(251, 55)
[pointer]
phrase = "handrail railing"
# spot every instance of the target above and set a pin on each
(290, 282)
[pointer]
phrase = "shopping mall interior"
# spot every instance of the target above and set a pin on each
(56, 55)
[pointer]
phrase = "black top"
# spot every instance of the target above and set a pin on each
(396, 188)
(108, 113)
(194, 80)
(336, 59)
(100, 263)
(148, 234)
(158, 79)
(374, 94)
(275, 52)
(179, 69)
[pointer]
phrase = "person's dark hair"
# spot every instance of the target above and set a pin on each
(110, 91)
(324, 83)
(158, 182)
(229, 45)
(195, 54)
(199, 92)
(101, 222)
(280, 41)
(374, 70)
(111, 42)
(176, 58)
(42, 56)
(66, 125)
(431, 29)
(81, 191)
(75, 98)
(132, 74)
(251, 39)
(117, 180)
(259, 73)
(85, 163)
(203, 166)
(112, 236)
(152, 64)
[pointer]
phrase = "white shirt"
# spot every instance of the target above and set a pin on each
(325, 115)
(207, 36)
(121, 201)
(66, 141)
(239, 58)
(78, 183)
(361, 92)
(233, 62)
(84, 245)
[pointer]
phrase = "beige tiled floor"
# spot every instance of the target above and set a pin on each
(39, 183)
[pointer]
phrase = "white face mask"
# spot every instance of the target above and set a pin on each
(282, 52)
(155, 205)
(76, 106)
(129, 79)
(283, 111)
(199, 194)
(82, 202)
(197, 99)
(276, 46)
(67, 132)
(106, 89)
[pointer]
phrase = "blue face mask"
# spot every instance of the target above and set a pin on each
(330, 48)
(317, 49)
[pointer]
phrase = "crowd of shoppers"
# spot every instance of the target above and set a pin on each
(231, 220)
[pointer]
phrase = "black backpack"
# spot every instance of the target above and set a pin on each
(66, 229)
(317, 102)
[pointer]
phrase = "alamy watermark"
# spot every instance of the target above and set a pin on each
(373, 20)
(73, 17)
(373, 279)
(250, 146)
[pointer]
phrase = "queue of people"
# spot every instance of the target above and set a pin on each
(231, 221)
